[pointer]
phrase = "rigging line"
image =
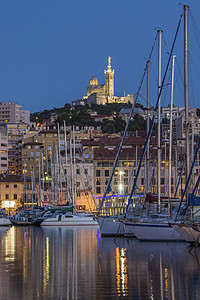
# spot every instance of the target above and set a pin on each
(144, 101)
(126, 129)
(122, 141)
(176, 83)
(195, 27)
(194, 191)
(165, 90)
(192, 89)
(194, 65)
(152, 120)
(87, 178)
(165, 43)
(188, 179)
(153, 47)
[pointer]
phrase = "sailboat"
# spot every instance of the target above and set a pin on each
(159, 228)
(4, 220)
(60, 215)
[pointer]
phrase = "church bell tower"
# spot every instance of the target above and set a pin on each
(109, 79)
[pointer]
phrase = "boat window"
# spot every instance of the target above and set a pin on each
(68, 216)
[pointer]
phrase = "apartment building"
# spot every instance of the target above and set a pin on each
(14, 133)
(12, 112)
(16, 191)
(104, 158)
(3, 152)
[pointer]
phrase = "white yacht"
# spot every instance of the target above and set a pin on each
(112, 226)
(188, 232)
(60, 219)
(154, 230)
(4, 221)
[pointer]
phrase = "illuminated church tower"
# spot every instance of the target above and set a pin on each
(109, 80)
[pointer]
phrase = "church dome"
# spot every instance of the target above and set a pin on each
(93, 81)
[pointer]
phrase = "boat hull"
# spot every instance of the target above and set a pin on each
(111, 226)
(182, 232)
(5, 222)
(69, 221)
(188, 232)
(154, 231)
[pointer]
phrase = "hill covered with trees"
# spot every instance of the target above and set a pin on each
(81, 116)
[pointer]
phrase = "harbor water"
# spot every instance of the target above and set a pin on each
(77, 263)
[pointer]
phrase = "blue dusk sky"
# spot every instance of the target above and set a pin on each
(49, 49)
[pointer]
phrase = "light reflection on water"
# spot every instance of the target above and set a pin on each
(75, 263)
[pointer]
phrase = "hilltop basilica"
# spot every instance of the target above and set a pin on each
(103, 93)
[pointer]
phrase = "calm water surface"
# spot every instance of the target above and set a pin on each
(76, 263)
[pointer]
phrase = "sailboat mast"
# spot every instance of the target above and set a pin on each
(40, 184)
(43, 178)
(148, 104)
(32, 189)
(170, 136)
(74, 179)
(158, 119)
(66, 163)
(186, 94)
(52, 185)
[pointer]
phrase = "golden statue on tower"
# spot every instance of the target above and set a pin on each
(109, 60)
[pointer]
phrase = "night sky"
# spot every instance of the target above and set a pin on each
(49, 49)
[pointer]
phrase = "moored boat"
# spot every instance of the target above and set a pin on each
(112, 226)
(189, 232)
(67, 219)
(154, 231)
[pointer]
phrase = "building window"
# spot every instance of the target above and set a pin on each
(77, 171)
(97, 173)
(98, 181)
(15, 196)
(7, 186)
(78, 184)
(7, 196)
(15, 186)
(86, 184)
(86, 171)
(106, 173)
(98, 190)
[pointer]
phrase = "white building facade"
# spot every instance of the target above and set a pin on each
(12, 112)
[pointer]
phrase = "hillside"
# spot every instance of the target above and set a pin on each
(81, 116)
